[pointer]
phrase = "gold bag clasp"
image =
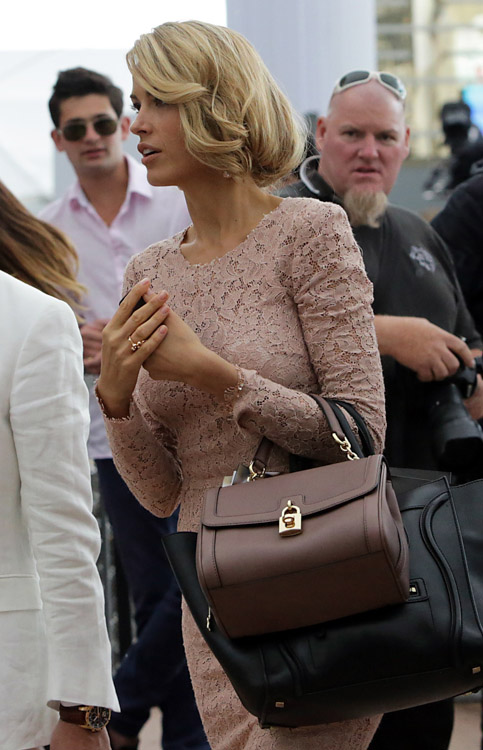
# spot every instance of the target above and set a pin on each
(290, 522)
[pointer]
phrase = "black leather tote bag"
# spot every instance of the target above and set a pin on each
(403, 655)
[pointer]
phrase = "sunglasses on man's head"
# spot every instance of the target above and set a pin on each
(355, 77)
(75, 131)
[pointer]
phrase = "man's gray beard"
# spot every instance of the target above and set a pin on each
(365, 208)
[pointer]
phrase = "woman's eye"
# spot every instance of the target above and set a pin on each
(135, 107)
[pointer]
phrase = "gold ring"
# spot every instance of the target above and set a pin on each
(135, 345)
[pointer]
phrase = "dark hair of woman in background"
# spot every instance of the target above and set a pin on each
(37, 253)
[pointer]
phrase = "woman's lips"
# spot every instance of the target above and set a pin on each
(148, 153)
(149, 156)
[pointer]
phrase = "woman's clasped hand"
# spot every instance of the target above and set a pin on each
(128, 340)
(156, 338)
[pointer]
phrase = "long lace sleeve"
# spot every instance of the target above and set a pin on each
(333, 298)
(144, 452)
(144, 449)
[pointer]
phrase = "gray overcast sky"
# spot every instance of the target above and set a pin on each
(95, 24)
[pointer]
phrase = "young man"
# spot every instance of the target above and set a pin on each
(54, 649)
(110, 213)
(421, 319)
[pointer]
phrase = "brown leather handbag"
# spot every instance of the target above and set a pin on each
(297, 549)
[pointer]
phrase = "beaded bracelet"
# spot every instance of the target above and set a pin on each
(233, 392)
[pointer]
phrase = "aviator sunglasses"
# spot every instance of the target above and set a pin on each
(75, 131)
(355, 77)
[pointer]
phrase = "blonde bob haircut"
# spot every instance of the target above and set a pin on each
(234, 116)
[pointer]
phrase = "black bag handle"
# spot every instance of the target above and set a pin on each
(364, 434)
(337, 422)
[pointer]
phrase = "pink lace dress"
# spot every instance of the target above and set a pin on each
(291, 305)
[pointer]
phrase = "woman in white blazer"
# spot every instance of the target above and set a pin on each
(54, 648)
(53, 640)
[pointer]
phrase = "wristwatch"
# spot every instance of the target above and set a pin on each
(94, 718)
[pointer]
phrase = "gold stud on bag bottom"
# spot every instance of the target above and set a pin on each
(289, 551)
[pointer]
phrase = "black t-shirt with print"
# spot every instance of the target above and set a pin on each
(413, 275)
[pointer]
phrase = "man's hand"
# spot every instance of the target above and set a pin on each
(92, 339)
(422, 346)
(72, 737)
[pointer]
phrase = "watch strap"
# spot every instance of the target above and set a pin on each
(93, 718)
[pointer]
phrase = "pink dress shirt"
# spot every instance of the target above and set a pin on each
(148, 214)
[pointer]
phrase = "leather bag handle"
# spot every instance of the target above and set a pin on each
(340, 428)
(364, 434)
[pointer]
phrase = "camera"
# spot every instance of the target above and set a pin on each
(457, 439)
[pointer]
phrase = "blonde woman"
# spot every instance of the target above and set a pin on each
(258, 303)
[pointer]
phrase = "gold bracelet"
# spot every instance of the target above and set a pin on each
(233, 392)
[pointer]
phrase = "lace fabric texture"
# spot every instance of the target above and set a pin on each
(291, 306)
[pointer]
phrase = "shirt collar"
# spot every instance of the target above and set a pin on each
(137, 184)
(314, 182)
(76, 196)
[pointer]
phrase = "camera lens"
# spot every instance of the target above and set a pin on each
(457, 440)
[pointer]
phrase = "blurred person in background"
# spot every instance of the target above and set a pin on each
(55, 658)
(110, 213)
(460, 224)
(465, 163)
(424, 329)
(465, 142)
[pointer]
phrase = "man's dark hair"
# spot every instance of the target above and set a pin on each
(81, 82)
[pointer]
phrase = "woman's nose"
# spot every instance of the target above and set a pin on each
(138, 125)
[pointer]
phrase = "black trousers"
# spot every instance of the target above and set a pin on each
(153, 671)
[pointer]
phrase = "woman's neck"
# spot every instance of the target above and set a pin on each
(223, 215)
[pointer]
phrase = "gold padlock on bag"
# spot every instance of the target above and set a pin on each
(290, 522)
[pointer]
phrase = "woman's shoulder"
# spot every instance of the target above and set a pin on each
(305, 223)
(309, 214)
(32, 315)
(317, 232)
(16, 294)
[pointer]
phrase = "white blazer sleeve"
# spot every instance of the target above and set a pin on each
(49, 418)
